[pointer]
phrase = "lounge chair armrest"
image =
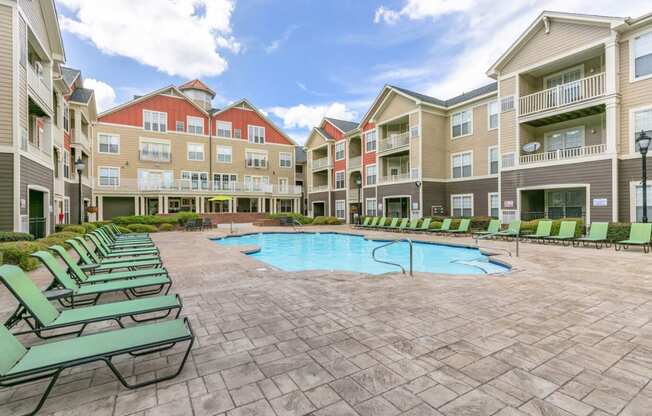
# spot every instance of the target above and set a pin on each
(90, 267)
(54, 294)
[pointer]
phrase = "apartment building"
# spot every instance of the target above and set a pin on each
(553, 137)
(169, 151)
(35, 147)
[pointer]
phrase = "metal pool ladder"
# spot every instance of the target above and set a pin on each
(373, 254)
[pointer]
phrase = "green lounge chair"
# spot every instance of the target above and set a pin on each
(90, 294)
(402, 225)
(597, 235)
(373, 223)
(414, 222)
(106, 253)
(365, 223)
(95, 257)
(391, 225)
(111, 243)
(20, 365)
(80, 275)
(381, 222)
(492, 228)
(425, 225)
(115, 231)
(110, 264)
(513, 230)
(566, 233)
(463, 228)
(445, 226)
(40, 315)
(544, 227)
(639, 235)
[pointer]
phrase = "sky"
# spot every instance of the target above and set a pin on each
(300, 60)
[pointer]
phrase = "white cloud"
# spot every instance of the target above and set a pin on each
(308, 116)
(480, 32)
(275, 44)
(178, 37)
(104, 93)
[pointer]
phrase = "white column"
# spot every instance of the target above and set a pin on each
(166, 204)
(160, 204)
(611, 64)
(143, 205)
(100, 208)
(136, 205)
(234, 204)
(197, 205)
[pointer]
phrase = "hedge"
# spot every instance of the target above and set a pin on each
(183, 217)
(178, 218)
(295, 215)
(18, 253)
(123, 230)
(79, 229)
(326, 221)
(11, 236)
(166, 227)
(142, 228)
(58, 238)
(89, 226)
(528, 227)
(618, 231)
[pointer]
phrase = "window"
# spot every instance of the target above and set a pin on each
(370, 207)
(283, 185)
(285, 205)
(414, 131)
(493, 160)
(285, 160)
(371, 175)
(66, 210)
(639, 201)
(256, 160)
(66, 116)
(237, 133)
(462, 165)
(224, 154)
(195, 151)
(195, 125)
(181, 126)
(109, 176)
(256, 134)
(564, 139)
(461, 123)
(154, 151)
(224, 129)
(194, 180)
(108, 143)
(507, 104)
(462, 205)
(509, 159)
(298, 168)
(339, 150)
(155, 120)
(256, 183)
(224, 181)
(370, 141)
(643, 56)
(642, 122)
(339, 180)
(494, 204)
(493, 110)
(340, 209)
(66, 164)
(153, 180)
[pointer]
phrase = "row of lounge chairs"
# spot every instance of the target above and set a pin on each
(109, 263)
(406, 225)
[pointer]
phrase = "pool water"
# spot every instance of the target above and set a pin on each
(334, 251)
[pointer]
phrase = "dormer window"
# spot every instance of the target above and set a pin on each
(155, 121)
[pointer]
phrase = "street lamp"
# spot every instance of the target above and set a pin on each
(79, 167)
(643, 143)
(358, 182)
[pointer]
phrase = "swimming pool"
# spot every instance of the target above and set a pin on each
(335, 251)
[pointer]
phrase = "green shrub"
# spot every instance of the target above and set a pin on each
(166, 227)
(333, 221)
(79, 229)
(11, 236)
(59, 227)
(529, 227)
(88, 226)
(325, 221)
(123, 230)
(319, 220)
(18, 253)
(147, 219)
(58, 238)
(295, 215)
(435, 224)
(480, 222)
(618, 231)
(142, 228)
(183, 217)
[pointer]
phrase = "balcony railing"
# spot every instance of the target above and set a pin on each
(564, 154)
(563, 95)
(189, 185)
(355, 162)
(412, 175)
(147, 156)
(394, 141)
(319, 188)
(78, 137)
(39, 85)
(320, 163)
(354, 195)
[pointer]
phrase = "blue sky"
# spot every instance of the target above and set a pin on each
(299, 60)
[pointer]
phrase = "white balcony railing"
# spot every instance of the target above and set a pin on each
(37, 82)
(412, 175)
(188, 185)
(355, 162)
(148, 156)
(354, 195)
(563, 154)
(394, 141)
(319, 188)
(320, 163)
(563, 95)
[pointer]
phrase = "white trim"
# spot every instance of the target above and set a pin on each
(279, 160)
(203, 152)
(562, 72)
(546, 135)
(489, 195)
(470, 133)
(366, 200)
(230, 130)
(375, 164)
(217, 154)
(453, 196)
(343, 201)
(452, 156)
(343, 172)
(99, 176)
(166, 121)
(489, 149)
(497, 102)
(108, 134)
(47, 205)
(587, 202)
(364, 140)
(195, 118)
(632, 128)
(249, 139)
(632, 69)
(385, 197)
(632, 199)
(152, 94)
(343, 143)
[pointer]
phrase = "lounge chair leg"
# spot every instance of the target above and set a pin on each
(45, 395)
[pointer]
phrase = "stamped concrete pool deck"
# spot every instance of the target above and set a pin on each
(568, 332)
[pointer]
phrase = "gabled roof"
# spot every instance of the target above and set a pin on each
(81, 95)
(51, 18)
(342, 125)
(478, 92)
(324, 133)
(138, 99)
(320, 132)
(69, 75)
(419, 96)
(299, 155)
(196, 84)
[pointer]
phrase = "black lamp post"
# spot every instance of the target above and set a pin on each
(643, 143)
(358, 182)
(418, 185)
(79, 167)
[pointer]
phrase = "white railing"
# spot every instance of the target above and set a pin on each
(148, 156)
(563, 154)
(354, 195)
(320, 163)
(39, 85)
(286, 189)
(394, 141)
(319, 188)
(413, 175)
(355, 162)
(509, 215)
(79, 137)
(188, 185)
(563, 95)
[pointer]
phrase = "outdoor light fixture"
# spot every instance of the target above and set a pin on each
(358, 182)
(643, 143)
(79, 167)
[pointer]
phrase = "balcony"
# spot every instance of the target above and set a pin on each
(78, 137)
(188, 185)
(561, 96)
(412, 175)
(39, 86)
(394, 142)
(563, 154)
(321, 163)
(148, 156)
(319, 188)
(355, 162)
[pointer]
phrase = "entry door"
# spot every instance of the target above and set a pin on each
(36, 214)
(394, 208)
(566, 203)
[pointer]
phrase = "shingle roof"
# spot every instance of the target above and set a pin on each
(486, 89)
(197, 85)
(69, 74)
(325, 133)
(421, 97)
(81, 95)
(299, 155)
(345, 126)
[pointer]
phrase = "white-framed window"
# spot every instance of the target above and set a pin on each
(340, 209)
(256, 134)
(155, 121)
(493, 109)
(371, 208)
(237, 133)
(640, 120)
(66, 116)
(339, 180)
(195, 151)
(109, 176)
(154, 151)
(371, 174)
(565, 76)
(194, 180)
(508, 160)
(256, 183)
(223, 128)
(195, 125)
(493, 160)
(224, 154)
(224, 181)
(285, 159)
(462, 123)
(564, 139)
(339, 150)
(66, 210)
(154, 179)
(370, 140)
(638, 202)
(283, 185)
(108, 143)
(180, 126)
(494, 204)
(462, 165)
(506, 103)
(462, 205)
(255, 159)
(66, 164)
(641, 56)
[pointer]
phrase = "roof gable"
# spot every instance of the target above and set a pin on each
(197, 85)
(245, 105)
(317, 137)
(342, 125)
(169, 90)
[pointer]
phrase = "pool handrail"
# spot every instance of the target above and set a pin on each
(389, 243)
